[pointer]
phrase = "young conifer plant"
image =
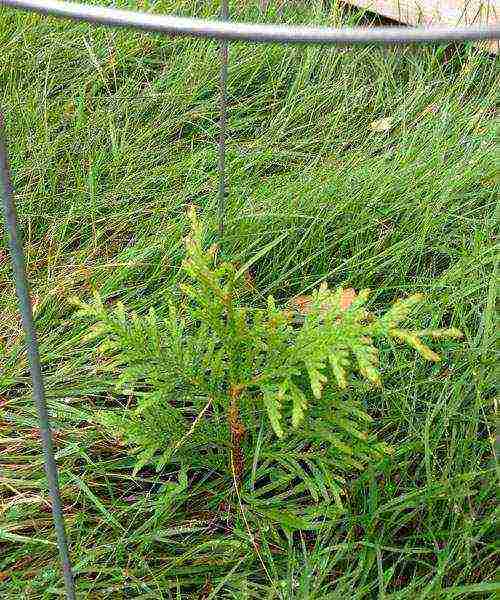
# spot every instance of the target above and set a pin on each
(202, 375)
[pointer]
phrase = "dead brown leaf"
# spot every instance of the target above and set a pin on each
(347, 298)
(303, 304)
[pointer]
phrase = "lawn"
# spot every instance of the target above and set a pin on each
(376, 168)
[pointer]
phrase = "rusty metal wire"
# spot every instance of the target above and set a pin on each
(224, 31)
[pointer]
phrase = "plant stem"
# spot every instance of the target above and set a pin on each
(238, 432)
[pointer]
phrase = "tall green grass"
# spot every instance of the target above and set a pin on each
(111, 134)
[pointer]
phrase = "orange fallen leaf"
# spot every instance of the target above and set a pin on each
(347, 298)
(303, 304)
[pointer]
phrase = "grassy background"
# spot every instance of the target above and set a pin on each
(111, 134)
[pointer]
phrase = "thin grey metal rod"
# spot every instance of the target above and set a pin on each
(254, 32)
(25, 307)
(223, 121)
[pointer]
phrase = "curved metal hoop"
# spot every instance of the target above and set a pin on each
(222, 30)
(251, 32)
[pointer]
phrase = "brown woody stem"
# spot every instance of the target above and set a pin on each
(238, 432)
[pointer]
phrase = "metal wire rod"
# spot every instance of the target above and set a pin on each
(23, 296)
(223, 121)
(253, 32)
